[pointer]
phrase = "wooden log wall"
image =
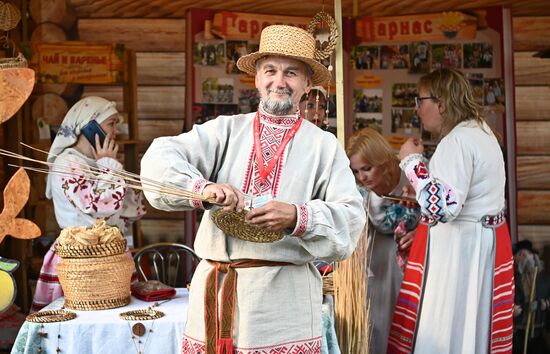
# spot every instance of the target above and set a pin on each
(160, 54)
(49, 21)
(532, 79)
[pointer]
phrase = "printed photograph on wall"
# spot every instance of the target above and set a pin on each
(208, 53)
(394, 57)
(365, 57)
(405, 122)
(419, 54)
(368, 120)
(217, 90)
(477, 83)
(367, 100)
(446, 56)
(478, 55)
(493, 90)
(233, 51)
(403, 95)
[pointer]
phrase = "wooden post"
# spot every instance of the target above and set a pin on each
(339, 84)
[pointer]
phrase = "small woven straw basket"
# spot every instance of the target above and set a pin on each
(232, 223)
(95, 277)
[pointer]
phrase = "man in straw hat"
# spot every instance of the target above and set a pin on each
(301, 184)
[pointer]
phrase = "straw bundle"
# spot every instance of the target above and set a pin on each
(94, 271)
(351, 308)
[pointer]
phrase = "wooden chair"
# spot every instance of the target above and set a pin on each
(171, 263)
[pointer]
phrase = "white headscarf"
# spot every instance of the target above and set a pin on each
(85, 110)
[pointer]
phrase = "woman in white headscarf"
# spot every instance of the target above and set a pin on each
(79, 199)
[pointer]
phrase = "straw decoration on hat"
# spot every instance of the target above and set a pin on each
(286, 41)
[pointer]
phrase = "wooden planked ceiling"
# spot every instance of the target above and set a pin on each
(178, 8)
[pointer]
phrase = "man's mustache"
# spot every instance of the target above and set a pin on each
(285, 91)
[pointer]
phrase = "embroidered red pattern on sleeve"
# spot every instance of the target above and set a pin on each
(197, 188)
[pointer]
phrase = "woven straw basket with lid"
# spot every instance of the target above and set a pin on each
(94, 275)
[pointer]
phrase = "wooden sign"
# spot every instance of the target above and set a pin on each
(77, 62)
(242, 25)
(428, 27)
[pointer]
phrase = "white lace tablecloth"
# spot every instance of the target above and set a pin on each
(103, 331)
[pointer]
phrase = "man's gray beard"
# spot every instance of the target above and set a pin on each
(278, 108)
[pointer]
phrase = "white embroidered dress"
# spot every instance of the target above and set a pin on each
(467, 171)
(277, 308)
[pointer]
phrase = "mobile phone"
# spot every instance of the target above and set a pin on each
(91, 129)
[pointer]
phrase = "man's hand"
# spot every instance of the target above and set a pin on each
(274, 216)
(227, 195)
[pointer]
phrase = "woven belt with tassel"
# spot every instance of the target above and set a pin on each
(219, 336)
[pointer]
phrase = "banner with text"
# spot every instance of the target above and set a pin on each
(428, 27)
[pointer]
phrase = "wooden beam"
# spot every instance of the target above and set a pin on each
(161, 68)
(532, 102)
(530, 70)
(534, 207)
(153, 102)
(533, 172)
(150, 129)
(532, 138)
(531, 33)
(139, 34)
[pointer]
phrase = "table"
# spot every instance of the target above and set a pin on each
(104, 332)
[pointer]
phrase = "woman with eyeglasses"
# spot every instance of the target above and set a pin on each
(457, 292)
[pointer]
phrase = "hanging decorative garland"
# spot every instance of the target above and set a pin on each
(9, 16)
(324, 49)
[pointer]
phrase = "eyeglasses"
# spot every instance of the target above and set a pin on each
(418, 100)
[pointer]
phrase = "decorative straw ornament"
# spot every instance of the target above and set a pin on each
(16, 84)
(9, 16)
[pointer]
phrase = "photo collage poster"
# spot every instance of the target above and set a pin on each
(385, 72)
(220, 88)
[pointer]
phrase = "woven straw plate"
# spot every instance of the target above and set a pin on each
(233, 224)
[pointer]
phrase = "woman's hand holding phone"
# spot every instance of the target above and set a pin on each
(108, 149)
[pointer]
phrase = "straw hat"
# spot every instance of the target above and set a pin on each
(286, 41)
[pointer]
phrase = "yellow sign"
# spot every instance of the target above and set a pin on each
(242, 25)
(428, 27)
(368, 81)
(77, 62)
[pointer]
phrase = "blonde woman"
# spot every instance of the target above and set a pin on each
(457, 293)
(376, 169)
